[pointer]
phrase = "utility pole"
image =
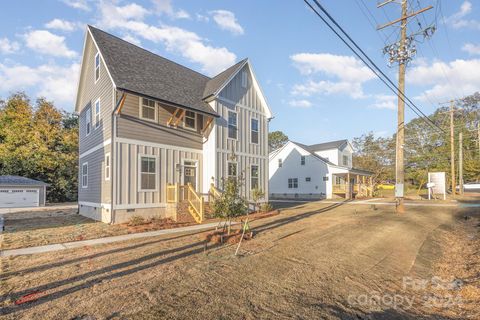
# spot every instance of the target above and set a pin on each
(402, 52)
(452, 147)
(460, 163)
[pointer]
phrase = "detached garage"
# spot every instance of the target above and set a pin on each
(17, 192)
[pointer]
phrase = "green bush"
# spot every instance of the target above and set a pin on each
(230, 203)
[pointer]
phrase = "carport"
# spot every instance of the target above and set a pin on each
(17, 192)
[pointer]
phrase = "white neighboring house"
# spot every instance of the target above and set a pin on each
(298, 171)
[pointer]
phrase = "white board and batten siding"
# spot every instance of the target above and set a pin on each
(247, 104)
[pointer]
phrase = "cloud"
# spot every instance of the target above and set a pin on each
(385, 101)
(7, 46)
(48, 43)
(446, 79)
(77, 4)
(201, 17)
(54, 82)
(348, 74)
(458, 20)
(302, 103)
(346, 68)
(322, 87)
(226, 21)
(178, 40)
(62, 25)
(471, 48)
(165, 6)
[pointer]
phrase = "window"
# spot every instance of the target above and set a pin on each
(345, 160)
(244, 79)
(148, 173)
(88, 125)
(107, 166)
(293, 183)
(254, 177)
(97, 113)
(308, 179)
(190, 120)
(325, 178)
(85, 175)
(254, 131)
(232, 125)
(302, 160)
(97, 67)
(232, 169)
(148, 110)
(280, 163)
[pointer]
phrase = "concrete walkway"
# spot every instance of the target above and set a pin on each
(78, 244)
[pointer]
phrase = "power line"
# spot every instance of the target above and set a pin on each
(375, 69)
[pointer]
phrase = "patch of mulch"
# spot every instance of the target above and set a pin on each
(221, 236)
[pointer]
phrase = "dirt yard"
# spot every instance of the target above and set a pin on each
(314, 260)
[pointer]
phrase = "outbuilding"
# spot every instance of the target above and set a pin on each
(16, 192)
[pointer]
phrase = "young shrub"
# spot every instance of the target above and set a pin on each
(230, 204)
(266, 207)
(257, 195)
(136, 221)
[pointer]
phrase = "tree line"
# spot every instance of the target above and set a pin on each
(427, 149)
(40, 141)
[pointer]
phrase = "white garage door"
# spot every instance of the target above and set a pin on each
(14, 198)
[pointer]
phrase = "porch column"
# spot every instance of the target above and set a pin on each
(348, 191)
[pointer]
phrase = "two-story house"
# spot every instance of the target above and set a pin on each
(298, 171)
(153, 131)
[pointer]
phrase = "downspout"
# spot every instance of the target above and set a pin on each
(115, 113)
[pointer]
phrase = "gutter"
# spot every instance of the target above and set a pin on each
(115, 113)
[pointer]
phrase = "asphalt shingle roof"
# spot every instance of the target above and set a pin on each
(327, 145)
(20, 181)
(216, 82)
(137, 70)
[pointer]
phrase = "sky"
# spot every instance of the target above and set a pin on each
(316, 88)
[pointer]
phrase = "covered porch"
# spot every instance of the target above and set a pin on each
(352, 183)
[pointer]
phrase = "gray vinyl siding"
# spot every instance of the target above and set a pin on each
(247, 104)
(89, 92)
(130, 126)
(98, 190)
(127, 171)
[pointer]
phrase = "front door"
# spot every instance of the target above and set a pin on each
(190, 173)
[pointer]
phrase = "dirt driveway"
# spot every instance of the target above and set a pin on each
(313, 261)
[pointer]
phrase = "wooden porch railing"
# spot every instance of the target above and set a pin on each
(172, 193)
(196, 203)
(339, 188)
(213, 193)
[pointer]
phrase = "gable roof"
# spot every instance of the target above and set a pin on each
(217, 82)
(20, 181)
(307, 149)
(137, 70)
(327, 145)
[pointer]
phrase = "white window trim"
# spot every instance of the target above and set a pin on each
(83, 164)
(88, 120)
(139, 172)
(95, 67)
(258, 131)
(236, 170)
(185, 115)
(304, 158)
(140, 106)
(97, 123)
(280, 162)
(293, 184)
(228, 125)
(107, 168)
